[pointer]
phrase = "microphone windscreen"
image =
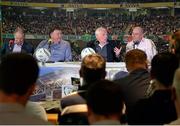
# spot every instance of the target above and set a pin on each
(11, 42)
(50, 41)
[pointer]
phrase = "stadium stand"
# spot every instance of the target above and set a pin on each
(92, 1)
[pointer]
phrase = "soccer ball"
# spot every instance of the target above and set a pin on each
(87, 51)
(42, 54)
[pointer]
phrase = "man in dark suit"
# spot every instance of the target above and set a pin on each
(17, 45)
(159, 107)
(135, 84)
(107, 49)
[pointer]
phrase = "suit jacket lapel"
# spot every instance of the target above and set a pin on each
(109, 51)
(23, 48)
(11, 47)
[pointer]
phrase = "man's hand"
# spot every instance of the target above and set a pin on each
(117, 51)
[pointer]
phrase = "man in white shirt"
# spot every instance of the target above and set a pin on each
(17, 45)
(139, 42)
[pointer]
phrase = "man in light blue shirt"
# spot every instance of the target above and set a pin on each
(60, 49)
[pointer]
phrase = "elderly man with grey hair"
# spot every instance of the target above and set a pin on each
(109, 50)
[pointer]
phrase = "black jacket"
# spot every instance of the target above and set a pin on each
(111, 57)
(8, 48)
(134, 86)
(158, 109)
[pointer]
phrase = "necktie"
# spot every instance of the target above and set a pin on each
(135, 45)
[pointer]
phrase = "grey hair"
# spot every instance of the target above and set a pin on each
(100, 29)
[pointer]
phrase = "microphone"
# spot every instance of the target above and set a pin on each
(11, 42)
(50, 41)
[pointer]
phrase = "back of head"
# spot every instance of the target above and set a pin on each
(18, 72)
(163, 67)
(93, 68)
(135, 58)
(104, 98)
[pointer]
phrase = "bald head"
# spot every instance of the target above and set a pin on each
(137, 34)
(19, 35)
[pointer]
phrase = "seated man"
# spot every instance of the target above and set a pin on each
(107, 49)
(135, 84)
(60, 49)
(92, 69)
(142, 43)
(105, 103)
(17, 45)
(159, 108)
(18, 75)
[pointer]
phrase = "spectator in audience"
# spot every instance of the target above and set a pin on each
(139, 42)
(91, 65)
(17, 45)
(176, 93)
(18, 75)
(105, 103)
(135, 84)
(159, 108)
(104, 47)
(60, 49)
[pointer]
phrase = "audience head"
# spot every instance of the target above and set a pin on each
(19, 35)
(101, 34)
(137, 34)
(135, 59)
(55, 34)
(18, 74)
(163, 67)
(104, 101)
(93, 68)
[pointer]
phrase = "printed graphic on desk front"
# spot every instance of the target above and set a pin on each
(55, 77)
(63, 79)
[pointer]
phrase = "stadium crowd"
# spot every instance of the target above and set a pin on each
(80, 25)
(142, 95)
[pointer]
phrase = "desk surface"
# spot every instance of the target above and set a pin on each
(48, 105)
(77, 64)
